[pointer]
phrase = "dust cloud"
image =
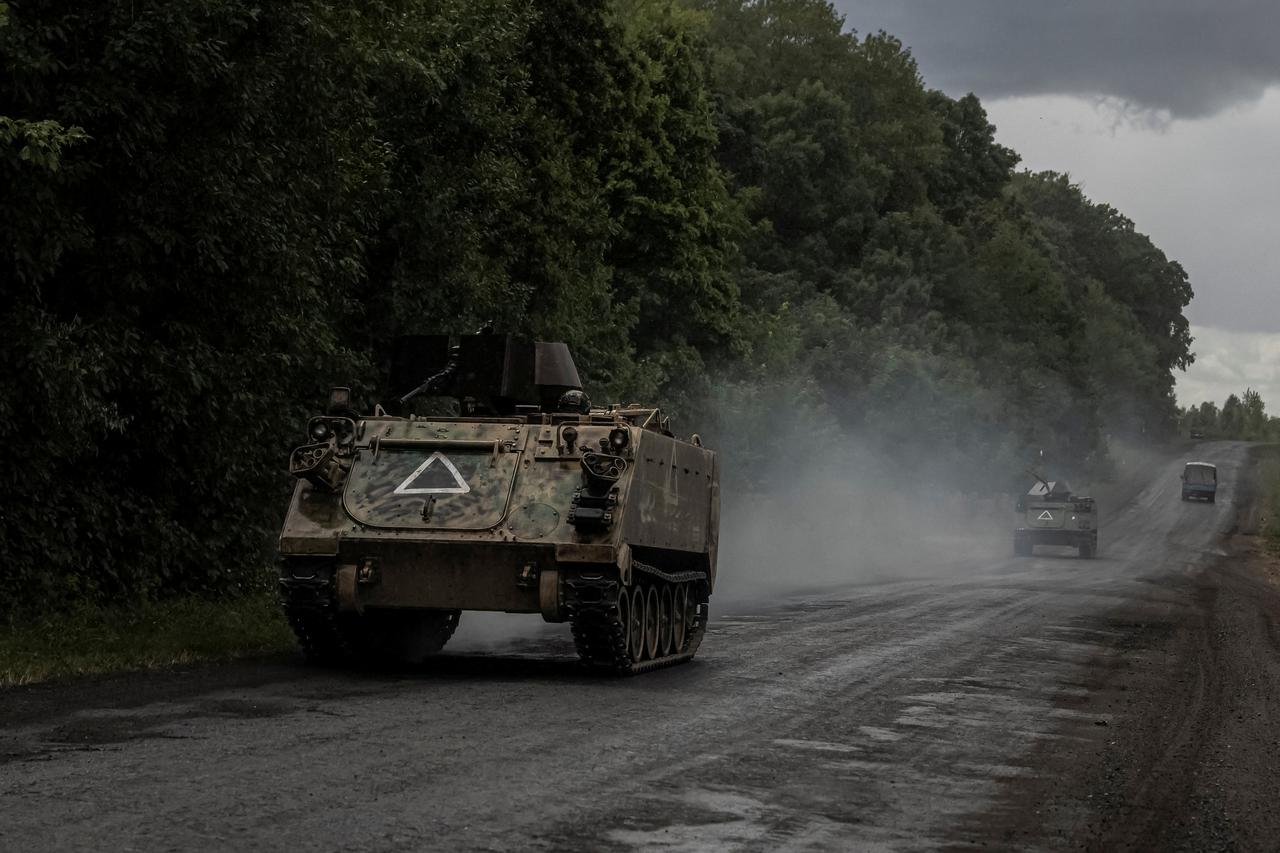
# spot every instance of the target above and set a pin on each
(842, 513)
(824, 516)
(838, 513)
(843, 516)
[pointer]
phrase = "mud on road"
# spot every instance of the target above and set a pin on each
(1044, 703)
(1184, 749)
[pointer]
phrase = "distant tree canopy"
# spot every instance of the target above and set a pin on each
(904, 280)
(212, 209)
(1242, 418)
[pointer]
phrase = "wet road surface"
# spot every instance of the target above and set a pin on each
(903, 715)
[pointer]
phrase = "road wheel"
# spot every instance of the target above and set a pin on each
(635, 633)
(665, 632)
(679, 616)
(651, 622)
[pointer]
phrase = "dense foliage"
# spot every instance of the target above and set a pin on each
(211, 209)
(1243, 418)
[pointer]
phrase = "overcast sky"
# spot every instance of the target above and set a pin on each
(1167, 109)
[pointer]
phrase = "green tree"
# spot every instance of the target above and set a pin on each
(1231, 421)
(221, 207)
(1253, 416)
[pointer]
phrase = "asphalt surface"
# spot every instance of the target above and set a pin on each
(985, 707)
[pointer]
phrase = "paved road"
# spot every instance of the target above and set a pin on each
(883, 716)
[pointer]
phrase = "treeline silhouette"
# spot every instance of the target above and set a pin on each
(1243, 418)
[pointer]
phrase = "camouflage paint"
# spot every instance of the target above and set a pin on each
(470, 541)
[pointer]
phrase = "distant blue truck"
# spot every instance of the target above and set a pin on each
(1200, 481)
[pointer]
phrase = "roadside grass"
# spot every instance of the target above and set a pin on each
(1269, 473)
(148, 636)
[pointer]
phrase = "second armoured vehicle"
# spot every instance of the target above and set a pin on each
(523, 498)
(1049, 514)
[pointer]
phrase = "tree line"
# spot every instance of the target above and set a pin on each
(1242, 418)
(213, 209)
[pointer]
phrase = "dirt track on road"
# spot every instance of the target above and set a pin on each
(1041, 703)
(1192, 761)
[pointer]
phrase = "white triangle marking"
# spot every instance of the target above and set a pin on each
(1044, 516)
(461, 487)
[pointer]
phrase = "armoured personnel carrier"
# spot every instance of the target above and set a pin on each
(524, 498)
(1049, 514)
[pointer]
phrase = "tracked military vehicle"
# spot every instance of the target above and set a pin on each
(1049, 514)
(523, 498)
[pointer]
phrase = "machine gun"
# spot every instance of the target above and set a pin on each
(497, 373)
(436, 381)
(1035, 475)
(1054, 490)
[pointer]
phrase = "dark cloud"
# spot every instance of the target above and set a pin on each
(1190, 58)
